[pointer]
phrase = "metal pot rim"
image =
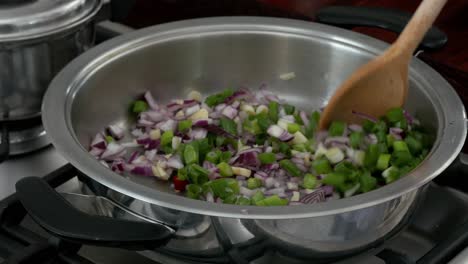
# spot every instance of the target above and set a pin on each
(58, 100)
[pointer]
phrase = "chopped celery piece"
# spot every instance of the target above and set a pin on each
(391, 174)
(273, 111)
(166, 138)
(267, 158)
(254, 183)
(290, 167)
(414, 145)
(335, 179)
(310, 181)
(368, 126)
(293, 128)
(197, 174)
(218, 98)
(224, 187)
(334, 155)
(224, 169)
(212, 157)
(228, 125)
(139, 106)
(372, 155)
(367, 182)
(383, 161)
(231, 199)
(355, 139)
(401, 158)
(395, 114)
(184, 125)
(190, 154)
(243, 201)
(321, 166)
(399, 145)
(109, 139)
(225, 156)
(194, 191)
(273, 200)
(289, 109)
(337, 129)
(258, 196)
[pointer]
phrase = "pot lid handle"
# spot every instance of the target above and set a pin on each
(56, 215)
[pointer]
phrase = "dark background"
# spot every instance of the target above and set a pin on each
(451, 61)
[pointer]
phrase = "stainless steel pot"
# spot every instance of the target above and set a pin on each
(209, 55)
(37, 39)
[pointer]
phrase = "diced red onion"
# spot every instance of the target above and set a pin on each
(396, 132)
(96, 152)
(208, 165)
(218, 130)
(153, 116)
(408, 117)
(144, 122)
(169, 125)
(192, 110)
(137, 132)
(278, 132)
(365, 116)
(209, 197)
(239, 94)
(321, 136)
(198, 133)
(270, 167)
(113, 151)
(116, 131)
(229, 112)
(219, 108)
(289, 118)
(261, 175)
(292, 186)
(298, 160)
(99, 141)
(270, 182)
(143, 170)
(304, 118)
(175, 162)
(133, 156)
(314, 197)
(241, 178)
(371, 139)
(202, 122)
(328, 189)
(355, 128)
(274, 191)
(236, 104)
(173, 107)
(150, 100)
(118, 165)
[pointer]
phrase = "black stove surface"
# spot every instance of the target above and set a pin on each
(435, 233)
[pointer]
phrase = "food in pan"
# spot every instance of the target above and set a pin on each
(252, 148)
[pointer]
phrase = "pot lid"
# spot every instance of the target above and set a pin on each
(26, 19)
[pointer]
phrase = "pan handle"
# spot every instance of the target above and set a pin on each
(385, 18)
(56, 215)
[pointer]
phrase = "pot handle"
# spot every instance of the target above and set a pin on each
(56, 215)
(389, 19)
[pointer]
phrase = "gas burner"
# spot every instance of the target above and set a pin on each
(25, 135)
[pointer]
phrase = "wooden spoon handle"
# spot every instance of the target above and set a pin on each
(419, 24)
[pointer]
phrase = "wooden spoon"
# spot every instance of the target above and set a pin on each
(382, 83)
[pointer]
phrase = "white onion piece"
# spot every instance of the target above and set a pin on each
(113, 151)
(229, 112)
(192, 110)
(175, 162)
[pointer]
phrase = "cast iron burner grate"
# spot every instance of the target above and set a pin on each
(440, 222)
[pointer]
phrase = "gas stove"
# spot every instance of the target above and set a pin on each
(437, 231)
